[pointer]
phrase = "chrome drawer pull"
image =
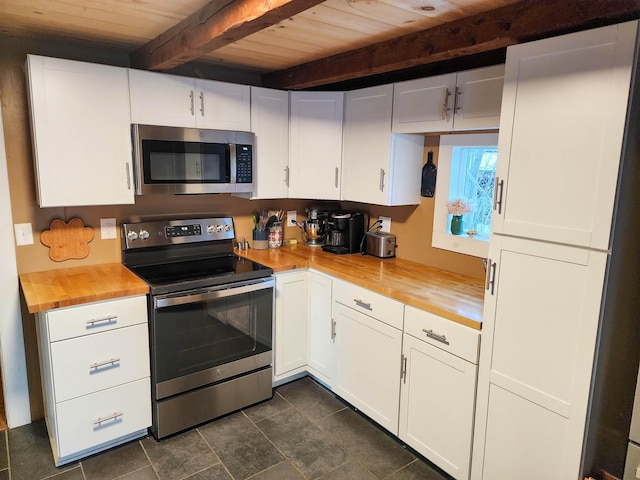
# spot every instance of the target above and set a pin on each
(108, 319)
(435, 336)
(111, 362)
(360, 303)
(115, 416)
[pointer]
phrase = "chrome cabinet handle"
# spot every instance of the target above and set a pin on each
(444, 113)
(202, 104)
(382, 180)
(491, 276)
(286, 175)
(126, 167)
(458, 103)
(362, 304)
(436, 336)
(403, 368)
(336, 181)
(333, 330)
(497, 199)
(191, 102)
(109, 319)
(97, 365)
(115, 416)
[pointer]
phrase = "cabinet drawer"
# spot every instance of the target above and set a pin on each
(101, 417)
(96, 317)
(87, 364)
(442, 333)
(370, 303)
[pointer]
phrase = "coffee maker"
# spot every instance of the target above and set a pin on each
(344, 232)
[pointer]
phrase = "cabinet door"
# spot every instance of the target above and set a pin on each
(478, 98)
(561, 131)
(162, 99)
(436, 406)
(81, 132)
(222, 106)
(321, 334)
(369, 354)
(367, 145)
(315, 153)
(270, 123)
(538, 341)
(291, 322)
(424, 105)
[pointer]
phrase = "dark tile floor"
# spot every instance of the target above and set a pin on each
(304, 432)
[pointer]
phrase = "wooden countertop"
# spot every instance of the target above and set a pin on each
(456, 297)
(73, 286)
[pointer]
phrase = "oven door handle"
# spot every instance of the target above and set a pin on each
(163, 301)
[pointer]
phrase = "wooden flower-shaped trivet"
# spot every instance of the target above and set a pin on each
(67, 240)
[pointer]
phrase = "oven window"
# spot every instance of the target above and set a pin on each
(197, 336)
(185, 162)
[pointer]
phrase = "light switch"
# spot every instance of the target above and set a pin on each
(24, 234)
(107, 228)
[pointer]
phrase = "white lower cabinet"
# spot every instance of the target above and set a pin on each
(322, 352)
(291, 304)
(95, 375)
(369, 357)
(438, 390)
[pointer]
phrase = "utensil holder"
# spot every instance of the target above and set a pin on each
(260, 239)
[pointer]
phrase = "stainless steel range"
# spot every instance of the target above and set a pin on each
(210, 320)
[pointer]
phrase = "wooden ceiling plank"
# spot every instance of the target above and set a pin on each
(487, 31)
(217, 24)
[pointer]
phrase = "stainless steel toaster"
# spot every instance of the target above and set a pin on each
(380, 244)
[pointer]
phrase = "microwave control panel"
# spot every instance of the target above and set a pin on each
(244, 164)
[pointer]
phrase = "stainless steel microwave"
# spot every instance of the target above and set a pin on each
(191, 160)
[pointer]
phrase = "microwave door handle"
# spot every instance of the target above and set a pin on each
(202, 296)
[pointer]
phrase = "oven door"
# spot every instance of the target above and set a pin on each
(209, 335)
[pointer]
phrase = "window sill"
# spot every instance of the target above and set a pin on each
(477, 246)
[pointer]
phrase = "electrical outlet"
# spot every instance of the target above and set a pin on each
(292, 217)
(24, 234)
(385, 225)
(107, 228)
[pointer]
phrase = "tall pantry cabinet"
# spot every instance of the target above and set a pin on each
(562, 127)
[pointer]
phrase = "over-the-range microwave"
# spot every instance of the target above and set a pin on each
(191, 160)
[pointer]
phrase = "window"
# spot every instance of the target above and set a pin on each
(466, 171)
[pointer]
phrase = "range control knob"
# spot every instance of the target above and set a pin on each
(227, 228)
(131, 235)
(211, 228)
(143, 234)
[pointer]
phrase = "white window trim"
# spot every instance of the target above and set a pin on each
(440, 238)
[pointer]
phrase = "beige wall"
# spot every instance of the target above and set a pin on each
(412, 225)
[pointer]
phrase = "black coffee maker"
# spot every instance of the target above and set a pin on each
(344, 232)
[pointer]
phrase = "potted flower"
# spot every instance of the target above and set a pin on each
(457, 208)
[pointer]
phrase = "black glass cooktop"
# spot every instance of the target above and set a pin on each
(189, 274)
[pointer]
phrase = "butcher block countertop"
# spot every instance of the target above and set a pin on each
(449, 295)
(73, 286)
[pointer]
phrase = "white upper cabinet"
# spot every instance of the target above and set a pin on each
(468, 100)
(315, 139)
(270, 123)
(561, 131)
(172, 100)
(81, 132)
(377, 166)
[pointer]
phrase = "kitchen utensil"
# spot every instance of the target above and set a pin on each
(67, 239)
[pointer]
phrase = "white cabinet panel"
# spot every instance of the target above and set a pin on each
(81, 132)
(478, 98)
(222, 106)
(315, 151)
(563, 117)
(291, 307)
(270, 123)
(370, 303)
(437, 405)
(321, 333)
(377, 166)
(369, 365)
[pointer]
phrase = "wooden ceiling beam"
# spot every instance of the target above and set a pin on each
(217, 24)
(516, 23)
